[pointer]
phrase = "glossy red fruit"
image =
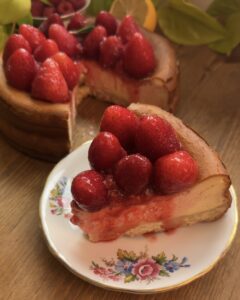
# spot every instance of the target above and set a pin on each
(48, 11)
(37, 8)
(105, 151)
(132, 173)
(155, 137)
(49, 83)
(65, 7)
(66, 42)
(139, 58)
(122, 122)
(111, 51)
(108, 21)
(47, 49)
(91, 45)
(68, 68)
(89, 191)
(20, 69)
(78, 4)
(14, 42)
(34, 36)
(175, 172)
(53, 19)
(78, 21)
(127, 29)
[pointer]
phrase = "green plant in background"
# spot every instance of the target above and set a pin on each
(12, 12)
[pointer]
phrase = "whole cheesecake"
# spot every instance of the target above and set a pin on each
(45, 130)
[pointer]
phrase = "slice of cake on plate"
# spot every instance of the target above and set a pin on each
(151, 173)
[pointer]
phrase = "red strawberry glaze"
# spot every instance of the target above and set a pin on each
(123, 214)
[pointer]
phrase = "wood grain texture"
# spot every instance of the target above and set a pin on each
(210, 103)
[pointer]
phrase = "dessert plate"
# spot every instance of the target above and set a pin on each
(145, 264)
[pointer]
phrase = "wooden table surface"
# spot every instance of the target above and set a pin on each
(210, 103)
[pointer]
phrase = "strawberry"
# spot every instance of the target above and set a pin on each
(49, 83)
(55, 2)
(105, 151)
(175, 172)
(108, 21)
(37, 8)
(78, 4)
(121, 122)
(78, 21)
(66, 42)
(89, 191)
(155, 137)
(139, 59)
(45, 50)
(132, 173)
(53, 19)
(91, 45)
(32, 35)
(68, 68)
(111, 51)
(48, 11)
(65, 7)
(127, 29)
(14, 42)
(20, 69)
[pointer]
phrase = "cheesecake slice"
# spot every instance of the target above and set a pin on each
(206, 200)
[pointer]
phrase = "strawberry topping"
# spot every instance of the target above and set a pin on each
(45, 50)
(108, 21)
(132, 173)
(139, 59)
(34, 36)
(20, 69)
(155, 137)
(49, 83)
(127, 29)
(91, 44)
(175, 172)
(122, 123)
(105, 151)
(111, 50)
(89, 191)
(14, 42)
(68, 68)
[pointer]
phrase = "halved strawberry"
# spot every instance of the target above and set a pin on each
(49, 83)
(14, 42)
(68, 68)
(91, 44)
(66, 42)
(127, 29)
(47, 49)
(34, 36)
(139, 59)
(20, 69)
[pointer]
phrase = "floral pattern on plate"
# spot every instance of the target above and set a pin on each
(130, 267)
(59, 205)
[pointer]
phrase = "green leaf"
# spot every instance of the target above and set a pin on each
(223, 7)
(97, 5)
(47, 2)
(233, 35)
(13, 10)
(26, 20)
(128, 255)
(129, 278)
(160, 258)
(174, 257)
(186, 24)
(163, 273)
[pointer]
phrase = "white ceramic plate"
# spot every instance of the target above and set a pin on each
(139, 265)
